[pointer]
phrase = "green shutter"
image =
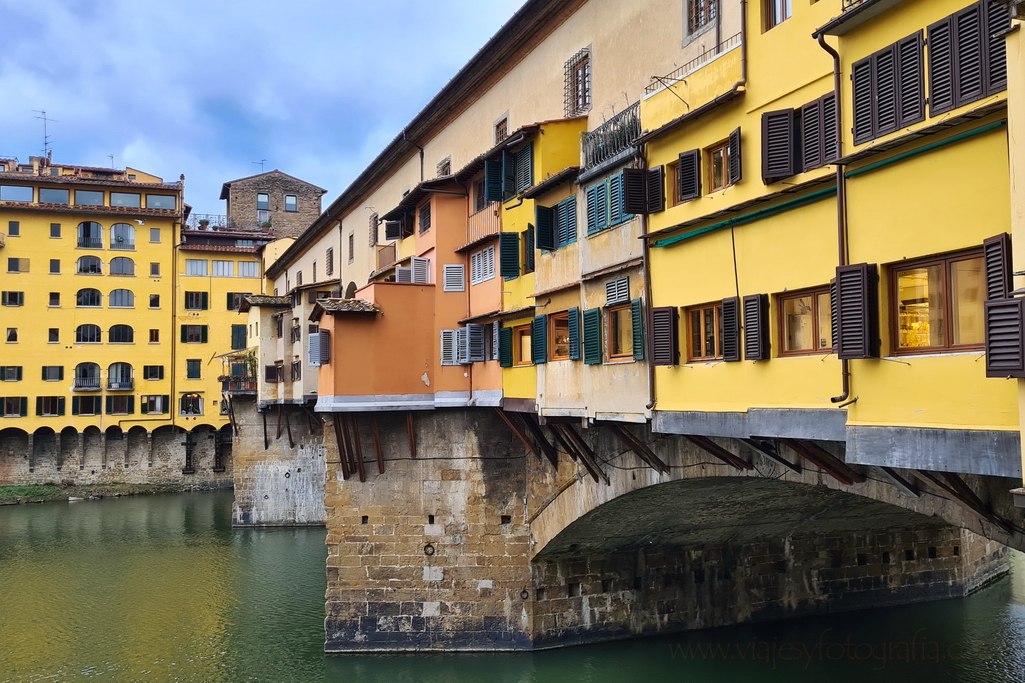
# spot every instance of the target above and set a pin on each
(509, 255)
(539, 340)
(492, 180)
(637, 315)
(592, 336)
(505, 359)
(238, 337)
(616, 199)
(574, 333)
(202, 333)
(544, 218)
(592, 209)
(131, 405)
(60, 405)
(144, 407)
(110, 404)
(24, 406)
(39, 405)
(528, 249)
(508, 174)
(75, 404)
(204, 300)
(185, 334)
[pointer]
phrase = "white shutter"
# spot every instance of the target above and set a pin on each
(475, 343)
(448, 347)
(319, 348)
(403, 275)
(495, 327)
(617, 291)
(489, 264)
(462, 346)
(475, 261)
(454, 277)
(421, 270)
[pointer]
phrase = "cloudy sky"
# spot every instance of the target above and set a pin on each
(205, 87)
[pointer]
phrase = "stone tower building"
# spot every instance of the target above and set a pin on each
(274, 200)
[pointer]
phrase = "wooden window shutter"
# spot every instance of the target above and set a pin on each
(131, 405)
(204, 299)
(592, 336)
(665, 341)
(528, 249)
(941, 66)
(861, 100)
(566, 221)
(969, 79)
(39, 405)
(492, 180)
(462, 346)
(635, 198)
(508, 174)
(185, 334)
(539, 340)
(524, 168)
(997, 17)
(421, 268)
(449, 352)
(910, 81)
(61, 402)
(637, 320)
(857, 311)
(270, 373)
(509, 255)
(756, 327)
(544, 219)
(778, 158)
(505, 359)
(830, 130)
(601, 193)
(655, 195)
(573, 315)
(688, 175)
(811, 135)
(1005, 338)
(202, 334)
(109, 405)
(884, 79)
(311, 296)
(591, 195)
(996, 251)
(736, 167)
(475, 343)
(617, 291)
(615, 195)
(393, 230)
(453, 277)
(731, 329)
(76, 402)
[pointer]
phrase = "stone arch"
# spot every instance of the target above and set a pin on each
(69, 446)
(165, 446)
(44, 447)
(350, 290)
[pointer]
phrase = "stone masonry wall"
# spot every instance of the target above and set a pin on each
(276, 185)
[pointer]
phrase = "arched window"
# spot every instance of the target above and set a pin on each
(122, 236)
(120, 334)
(121, 298)
(90, 235)
(122, 265)
(89, 297)
(89, 265)
(87, 334)
(87, 376)
(119, 376)
(190, 404)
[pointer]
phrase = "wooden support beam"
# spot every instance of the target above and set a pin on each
(377, 445)
(231, 414)
(573, 448)
(343, 457)
(639, 448)
(769, 450)
(266, 437)
(906, 485)
(963, 494)
(714, 449)
(278, 435)
(515, 429)
(835, 467)
(288, 428)
(411, 433)
(357, 451)
(587, 456)
(561, 441)
(539, 437)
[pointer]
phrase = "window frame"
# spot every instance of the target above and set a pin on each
(814, 293)
(560, 319)
(771, 11)
(294, 207)
(610, 315)
(716, 306)
(518, 332)
(710, 152)
(578, 83)
(701, 14)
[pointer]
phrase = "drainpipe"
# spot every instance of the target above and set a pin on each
(406, 138)
(841, 205)
(642, 162)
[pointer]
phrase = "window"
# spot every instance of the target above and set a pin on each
(86, 405)
(939, 303)
(700, 13)
(49, 195)
(17, 265)
(192, 368)
(352, 247)
(705, 332)
(14, 406)
(521, 345)
(12, 298)
(235, 300)
(132, 200)
(329, 261)
(53, 373)
(776, 12)
(161, 201)
(888, 89)
(298, 280)
(279, 326)
(53, 335)
(120, 405)
(313, 277)
(559, 334)
(121, 298)
(55, 299)
(274, 374)
(14, 227)
(224, 268)
(154, 235)
(15, 193)
(120, 376)
(805, 322)
(154, 301)
(191, 404)
(619, 332)
(482, 265)
(122, 236)
(90, 235)
(10, 373)
(196, 301)
(55, 230)
(49, 406)
(153, 372)
(501, 129)
(718, 157)
(87, 376)
(605, 204)
(195, 267)
(193, 334)
(89, 265)
(154, 269)
(154, 336)
(296, 371)
(425, 217)
(88, 298)
(248, 269)
(262, 201)
(291, 203)
(578, 83)
(122, 265)
(556, 226)
(150, 405)
(121, 334)
(87, 334)
(88, 198)
(12, 335)
(238, 337)
(967, 59)
(55, 266)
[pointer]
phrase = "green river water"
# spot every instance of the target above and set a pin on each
(162, 588)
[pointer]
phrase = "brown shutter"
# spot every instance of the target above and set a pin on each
(731, 329)
(830, 130)
(969, 80)
(910, 81)
(941, 66)
(1005, 340)
(884, 80)
(736, 167)
(811, 135)
(997, 17)
(862, 87)
(756, 327)
(857, 308)
(778, 145)
(392, 230)
(665, 344)
(834, 313)
(997, 253)
(655, 195)
(634, 191)
(270, 373)
(689, 175)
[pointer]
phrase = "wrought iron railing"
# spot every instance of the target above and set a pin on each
(484, 223)
(611, 137)
(120, 384)
(87, 383)
(851, 4)
(214, 221)
(124, 245)
(90, 243)
(678, 74)
(239, 385)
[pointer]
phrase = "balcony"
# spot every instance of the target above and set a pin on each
(484, 223)
(90, 243)
(122, 245)
(610, 140)
(677, 75)
(385, 256)
(120, 385)
(87, 384)
(239, 385)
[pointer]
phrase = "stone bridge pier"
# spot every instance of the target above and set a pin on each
(474, 530)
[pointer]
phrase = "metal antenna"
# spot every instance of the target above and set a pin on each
(46, 138)
(111, 157)
(261, 162)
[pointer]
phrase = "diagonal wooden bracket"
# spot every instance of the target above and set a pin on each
(356, 448)
(377, 444)
(540, 439)
(907, 485)
(411, 433)
(769, 450)
(519, 433)
(956, 487)
(343, 455)
(639, 448)
(819, 456)
(714, 449)
(583, 451)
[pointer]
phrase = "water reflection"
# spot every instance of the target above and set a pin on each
(162, 588)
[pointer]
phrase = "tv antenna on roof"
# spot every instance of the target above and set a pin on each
(46, 138)
(260, 162)
(111, 157)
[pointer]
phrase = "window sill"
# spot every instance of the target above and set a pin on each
(934, 353)
(619, 361)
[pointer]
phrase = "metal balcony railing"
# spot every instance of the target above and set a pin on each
(120, 385)
(612, 137)
(239, 385)
(851, 4)
(124, 245)
(678, 74)
(87, 384)
(484, 223)
(90, 243)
